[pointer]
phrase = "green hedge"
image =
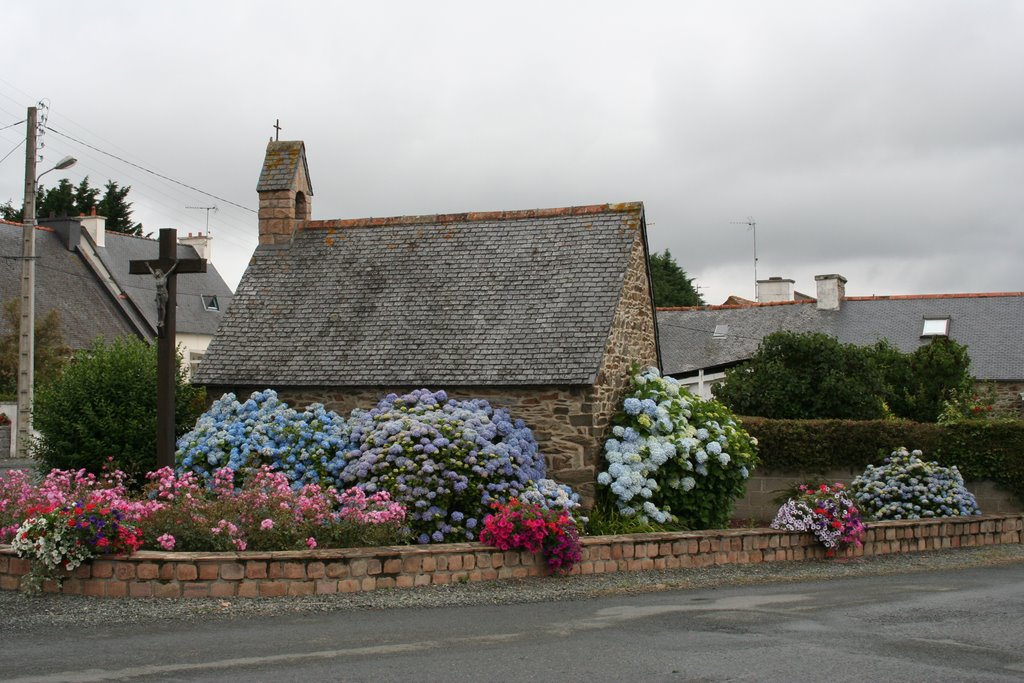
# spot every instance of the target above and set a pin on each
(981, 449)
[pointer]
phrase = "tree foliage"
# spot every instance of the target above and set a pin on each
(802, 376)
(671, 285)
(115, 206)
(814, 376)
(50, 351)
(9, 213)
(104, 406)
(65, 200)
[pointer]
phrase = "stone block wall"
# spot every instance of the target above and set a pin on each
(1008, 400)
(763, 487)
(322, 572)
(276, 216)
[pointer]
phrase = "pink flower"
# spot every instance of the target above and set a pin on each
(166, 542)
(310, 542)
(267, 524)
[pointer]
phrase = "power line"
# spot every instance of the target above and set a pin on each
(20, 143)
(158, 175)
(12, 125)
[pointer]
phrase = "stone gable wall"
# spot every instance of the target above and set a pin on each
(631, 340)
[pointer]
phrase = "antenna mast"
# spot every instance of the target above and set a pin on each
(752, 226)
(207, 209)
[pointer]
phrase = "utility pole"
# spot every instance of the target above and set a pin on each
(26, 338)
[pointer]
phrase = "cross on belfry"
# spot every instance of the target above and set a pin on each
(277, 129)
(166, 269)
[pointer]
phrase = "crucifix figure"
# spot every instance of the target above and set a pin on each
(161, 296)
(166, 269)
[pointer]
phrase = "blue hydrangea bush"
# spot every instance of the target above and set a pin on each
(904, 486)
(446, 460)
(308, 445)
(675, 458)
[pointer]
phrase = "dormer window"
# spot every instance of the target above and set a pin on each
(721, 332)
(935, 327)
(210, 303)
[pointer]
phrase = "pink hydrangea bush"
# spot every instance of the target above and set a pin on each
(184, 513)
(266, 513)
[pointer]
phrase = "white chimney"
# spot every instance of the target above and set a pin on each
(774, 289)
(201, 243)
(96, 226)
(831, 291)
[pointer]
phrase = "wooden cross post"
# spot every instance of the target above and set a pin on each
(166, 269)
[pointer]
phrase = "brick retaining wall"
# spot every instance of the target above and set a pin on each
(272, 574)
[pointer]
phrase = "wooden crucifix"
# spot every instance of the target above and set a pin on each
(165, 269)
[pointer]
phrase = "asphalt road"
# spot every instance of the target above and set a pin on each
(965, 625)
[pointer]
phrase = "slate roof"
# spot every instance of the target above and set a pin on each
(192, 317)
(65, 283)
(504, 298)
(281, 165)
(990, 325)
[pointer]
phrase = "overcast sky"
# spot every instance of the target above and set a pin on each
(880, 140)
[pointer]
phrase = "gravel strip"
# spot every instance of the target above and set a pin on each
(24, 613)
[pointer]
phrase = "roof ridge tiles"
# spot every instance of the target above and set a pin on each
(890, 297)
(729, 307)
(962, 295)
(44, 228)
(476, 216)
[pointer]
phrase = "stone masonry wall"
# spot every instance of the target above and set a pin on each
(1008, 401)
(758, 503)
(321, 572)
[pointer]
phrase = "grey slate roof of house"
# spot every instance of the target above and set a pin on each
(990, 325)
(65, 283)
(192, 316)
(505, 298)
(281, 164)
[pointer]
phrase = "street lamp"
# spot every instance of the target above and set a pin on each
(66, 162)
(26, 338)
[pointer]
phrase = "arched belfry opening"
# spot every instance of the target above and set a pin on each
(301, 213)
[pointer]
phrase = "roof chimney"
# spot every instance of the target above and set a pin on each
(68, 229)
(774, 289)
(285, 190)
(201, 243)
(96, 226)
(831, 291)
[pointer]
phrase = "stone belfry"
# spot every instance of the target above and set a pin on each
(285, 191)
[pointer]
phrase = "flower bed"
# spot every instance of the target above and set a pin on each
(268, 574)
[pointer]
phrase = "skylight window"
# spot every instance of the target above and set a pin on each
(721, 332)
(210, 303)
(935, 327)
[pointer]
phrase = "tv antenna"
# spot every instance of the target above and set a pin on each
(752, 226)
(207, 209)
